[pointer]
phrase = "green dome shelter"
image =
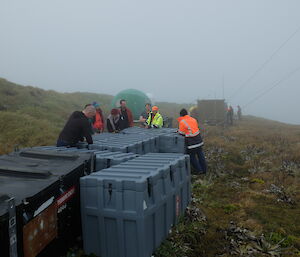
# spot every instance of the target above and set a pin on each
(135, 100)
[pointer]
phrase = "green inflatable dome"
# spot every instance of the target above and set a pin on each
(135, 100)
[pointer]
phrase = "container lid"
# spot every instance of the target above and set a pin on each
(116, 180)
(3, 198)
(46, 154)
(26, 171)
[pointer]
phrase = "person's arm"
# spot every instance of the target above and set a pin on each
(182, 129)
(142, 119)
(87, 131)
(160, 122)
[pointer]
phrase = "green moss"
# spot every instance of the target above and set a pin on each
(275, 215)
(234, 157)
(230, 208)
(286, 241)
(257, 180)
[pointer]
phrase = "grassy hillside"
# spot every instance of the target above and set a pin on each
(43, 104)
(31, 116)
(248, 204)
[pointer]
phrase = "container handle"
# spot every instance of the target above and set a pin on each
(108, 163)
(110, 191)
(171, 175)
(149, 187)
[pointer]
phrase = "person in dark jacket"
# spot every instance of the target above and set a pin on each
(113, 121)
(77, 128)
(126, 117)
(239, 112)
(188, 127)
(145, 115)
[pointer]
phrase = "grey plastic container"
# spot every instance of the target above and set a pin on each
(106, 159)
(172, 143)
(179, 176)
(122, 213)
(136, 143)
(128, 209)
(169, 140)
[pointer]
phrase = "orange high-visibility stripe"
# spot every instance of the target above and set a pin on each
(190, 126)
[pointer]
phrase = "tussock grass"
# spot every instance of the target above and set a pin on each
(245, 161)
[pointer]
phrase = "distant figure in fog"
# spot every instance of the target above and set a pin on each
(126, 117)
(113, 121)
(77, 128)
(230, 115)
(239, 112)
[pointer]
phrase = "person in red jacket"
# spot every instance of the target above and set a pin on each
(98, 121)
(126, 117)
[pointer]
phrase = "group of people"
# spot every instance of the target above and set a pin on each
(230, 114)
(122, 118)
(82, 124)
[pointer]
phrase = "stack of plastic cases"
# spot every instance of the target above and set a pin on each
(101, 159)
(128, 209)
(169, 140)
(149, 142)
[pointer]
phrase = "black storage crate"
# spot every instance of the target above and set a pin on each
(45, 188)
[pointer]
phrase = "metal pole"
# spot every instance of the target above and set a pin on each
(223, 87)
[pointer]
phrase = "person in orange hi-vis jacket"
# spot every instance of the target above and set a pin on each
(188, 127)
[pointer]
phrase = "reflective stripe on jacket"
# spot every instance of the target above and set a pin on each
(156, 121)
(188, 127)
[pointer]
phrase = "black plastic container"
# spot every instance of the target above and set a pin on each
(45, 188)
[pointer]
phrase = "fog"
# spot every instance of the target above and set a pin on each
(179, 51)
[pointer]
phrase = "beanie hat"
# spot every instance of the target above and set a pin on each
(114, 111)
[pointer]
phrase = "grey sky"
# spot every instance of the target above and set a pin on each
(176, 50)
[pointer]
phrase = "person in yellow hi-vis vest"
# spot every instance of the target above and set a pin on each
(155, 120)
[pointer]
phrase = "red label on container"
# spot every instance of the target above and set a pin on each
(66, 196)
(40, 231)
